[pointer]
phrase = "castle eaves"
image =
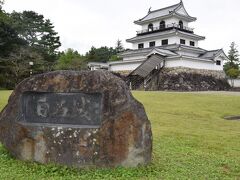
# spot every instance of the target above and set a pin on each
(164, 12)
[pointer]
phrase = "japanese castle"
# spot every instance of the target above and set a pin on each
(165, 40)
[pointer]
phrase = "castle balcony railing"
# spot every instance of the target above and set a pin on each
(165, 28)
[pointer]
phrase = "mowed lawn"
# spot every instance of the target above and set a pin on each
(191, 140)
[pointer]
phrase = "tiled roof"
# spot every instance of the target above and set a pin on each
(160, 12)
(210, 54)
(163, 12)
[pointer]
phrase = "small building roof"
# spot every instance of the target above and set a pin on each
(213, 54)
(176, 9)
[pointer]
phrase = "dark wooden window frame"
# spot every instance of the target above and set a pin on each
(182, 41)
(141, 46)
(152, 44)
(218, 62)
(192, 43)
(180, 24)
(165, 42)
(162, 25)
(150, 27)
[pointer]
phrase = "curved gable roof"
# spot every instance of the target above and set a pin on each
(178, 9)
(214, 54)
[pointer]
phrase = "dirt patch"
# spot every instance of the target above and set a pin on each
(232, 118)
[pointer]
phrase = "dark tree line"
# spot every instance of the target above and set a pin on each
(25, 37)
(29, 43)
(72, 60)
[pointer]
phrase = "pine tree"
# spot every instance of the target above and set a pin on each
(231, 67)
(1, 4)
(38, 32)
(233, 54)
(119, 46)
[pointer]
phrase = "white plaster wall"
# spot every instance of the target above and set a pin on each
(187, 43)
(236, 82)
(158, 42)
(167, 22)
(176, 21)
(188, 63)
(187, 53)
(173, 63)
(196, 64)
(134, 58)
(222, 62)
(171, 40)
(155, 24)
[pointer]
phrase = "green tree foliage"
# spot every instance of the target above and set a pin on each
(233, 73)
(231, 67)
(119, 46)
(38, 32)
(16, 65)
(233, 54)
(25, 37)
(118, 49)
(9, 39)
(1, 3)
(102, 54)
(71, 59)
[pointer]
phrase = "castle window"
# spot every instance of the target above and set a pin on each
(162, 25)
(182, 41)
(165, 42)
(192, 43)
(140, 46)
(180, 24)
(150, 27)
(218, 63)
(152, 44)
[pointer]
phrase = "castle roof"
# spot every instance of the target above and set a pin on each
(213, 54)
(174, 10)
(162, 34)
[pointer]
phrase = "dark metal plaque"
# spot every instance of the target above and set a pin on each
(61, 108)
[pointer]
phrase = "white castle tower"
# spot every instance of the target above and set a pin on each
(165, 40)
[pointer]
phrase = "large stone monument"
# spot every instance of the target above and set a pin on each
(80, 119)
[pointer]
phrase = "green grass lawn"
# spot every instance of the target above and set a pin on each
(191, 140)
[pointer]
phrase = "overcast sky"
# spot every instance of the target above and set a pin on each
(85, 23)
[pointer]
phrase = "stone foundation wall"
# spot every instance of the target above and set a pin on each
(177, 70)
(186, 79)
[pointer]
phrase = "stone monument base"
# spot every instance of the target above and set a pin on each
(80, 119)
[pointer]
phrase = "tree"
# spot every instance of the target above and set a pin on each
(233, 54)
(16, 67)
(9, 39)
(232, 66)
(38, 33)
(71, 59)
(102, 54)
(119, 47)
(233, 74)
(115, 58)
(25, 37)
(1, 4)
